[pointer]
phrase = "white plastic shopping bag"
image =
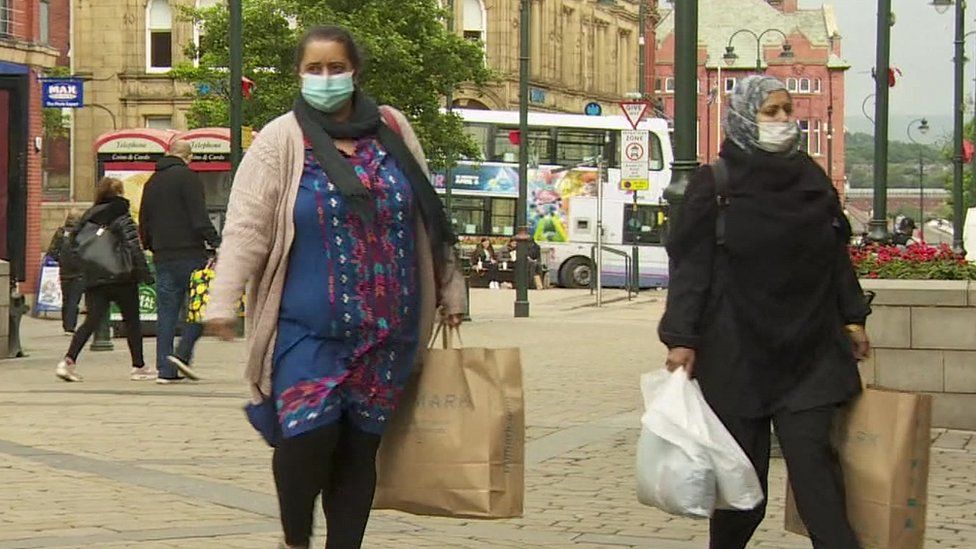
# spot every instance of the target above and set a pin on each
(687, 462)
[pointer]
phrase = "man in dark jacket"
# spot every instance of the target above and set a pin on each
(174, 225)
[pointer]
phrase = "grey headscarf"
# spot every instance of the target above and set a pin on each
(745, 101)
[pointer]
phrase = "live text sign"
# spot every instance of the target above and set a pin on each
(634, 160)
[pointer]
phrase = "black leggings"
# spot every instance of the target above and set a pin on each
(337, 461)
(815, 477)
(99, 298)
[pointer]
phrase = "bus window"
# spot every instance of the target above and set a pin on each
(644, 224)
(540, 145)
(657, 157)
(503, 216)
(479, 134)
(469, 215)
(574, 145)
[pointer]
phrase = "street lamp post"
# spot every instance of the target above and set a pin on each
(958, 207)
(923, 128)
(236, 78)
(521, 205)
(449, 100)
(731, 57)
(685, 105)
(878, 226)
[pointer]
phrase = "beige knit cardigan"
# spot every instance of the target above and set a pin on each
(258, 235)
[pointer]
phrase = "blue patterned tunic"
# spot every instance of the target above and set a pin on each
(348, 325)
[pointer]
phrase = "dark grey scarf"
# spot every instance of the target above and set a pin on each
(320, 129)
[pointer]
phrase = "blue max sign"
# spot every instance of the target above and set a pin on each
(63, 93)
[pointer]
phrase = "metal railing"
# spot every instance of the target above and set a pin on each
(628, 270)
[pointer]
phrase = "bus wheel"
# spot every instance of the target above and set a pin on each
(576, 273)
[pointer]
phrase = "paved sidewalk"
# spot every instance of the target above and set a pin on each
(111, 463)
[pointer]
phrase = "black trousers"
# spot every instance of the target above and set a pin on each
(815, 477)
(99, 298)
(71, 291)
(337, 461)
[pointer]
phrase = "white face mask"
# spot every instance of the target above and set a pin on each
(777, 137)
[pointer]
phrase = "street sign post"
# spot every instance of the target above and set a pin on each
(635, 111)
(633, 160)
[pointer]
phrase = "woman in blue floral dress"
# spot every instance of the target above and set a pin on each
(347, 254)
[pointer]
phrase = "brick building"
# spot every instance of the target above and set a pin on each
(814, 72)
(32, 41)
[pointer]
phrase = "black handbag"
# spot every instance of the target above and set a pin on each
(103, 254)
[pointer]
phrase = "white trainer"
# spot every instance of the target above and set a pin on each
(66, 370)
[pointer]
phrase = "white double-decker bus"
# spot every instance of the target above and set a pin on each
(562, 199)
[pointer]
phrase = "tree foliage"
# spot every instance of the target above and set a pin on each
(412, 61)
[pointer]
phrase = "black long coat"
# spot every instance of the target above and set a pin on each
(701, 313)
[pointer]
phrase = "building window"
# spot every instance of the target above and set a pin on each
(817, 86)
(804, 135)
(657, 85)
(159, 39)
(792, 84)
(44, 25)
(159, 122)
(669, 85)
(730, 85)
(805, 85)
(6, 18)
(474, 20)
(815, 138)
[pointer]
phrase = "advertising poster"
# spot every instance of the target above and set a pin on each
(549, 195)
(48, 288)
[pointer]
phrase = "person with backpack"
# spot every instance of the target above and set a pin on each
(337, 232)
(69, 272)
(765, 310)
(175, 226)
(106, 246)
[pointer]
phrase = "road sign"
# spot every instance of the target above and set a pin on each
(633, 160)
(635, 111)
(593, 109)
(63, 93)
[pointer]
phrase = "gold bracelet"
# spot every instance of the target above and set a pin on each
(854, 328)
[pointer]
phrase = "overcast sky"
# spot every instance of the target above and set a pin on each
(921, 48)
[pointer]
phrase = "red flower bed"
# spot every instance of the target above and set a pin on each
(914, 262)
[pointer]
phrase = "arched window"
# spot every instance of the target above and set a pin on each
(474, 19)
(159, 36)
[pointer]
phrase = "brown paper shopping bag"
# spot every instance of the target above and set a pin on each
(456, 446)
(883, 441)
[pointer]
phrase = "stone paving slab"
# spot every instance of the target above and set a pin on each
(110, 463)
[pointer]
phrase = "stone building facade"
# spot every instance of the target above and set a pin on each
(29, 33)
(126, 48)
(814, 73)
(582, 51)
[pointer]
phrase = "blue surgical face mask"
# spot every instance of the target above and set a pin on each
(327, 93)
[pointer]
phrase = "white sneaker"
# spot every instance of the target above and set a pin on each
(66, 370)
(169, 380)
(142, 374)
(183, 367)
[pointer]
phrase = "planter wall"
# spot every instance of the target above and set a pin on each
(924, 337)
